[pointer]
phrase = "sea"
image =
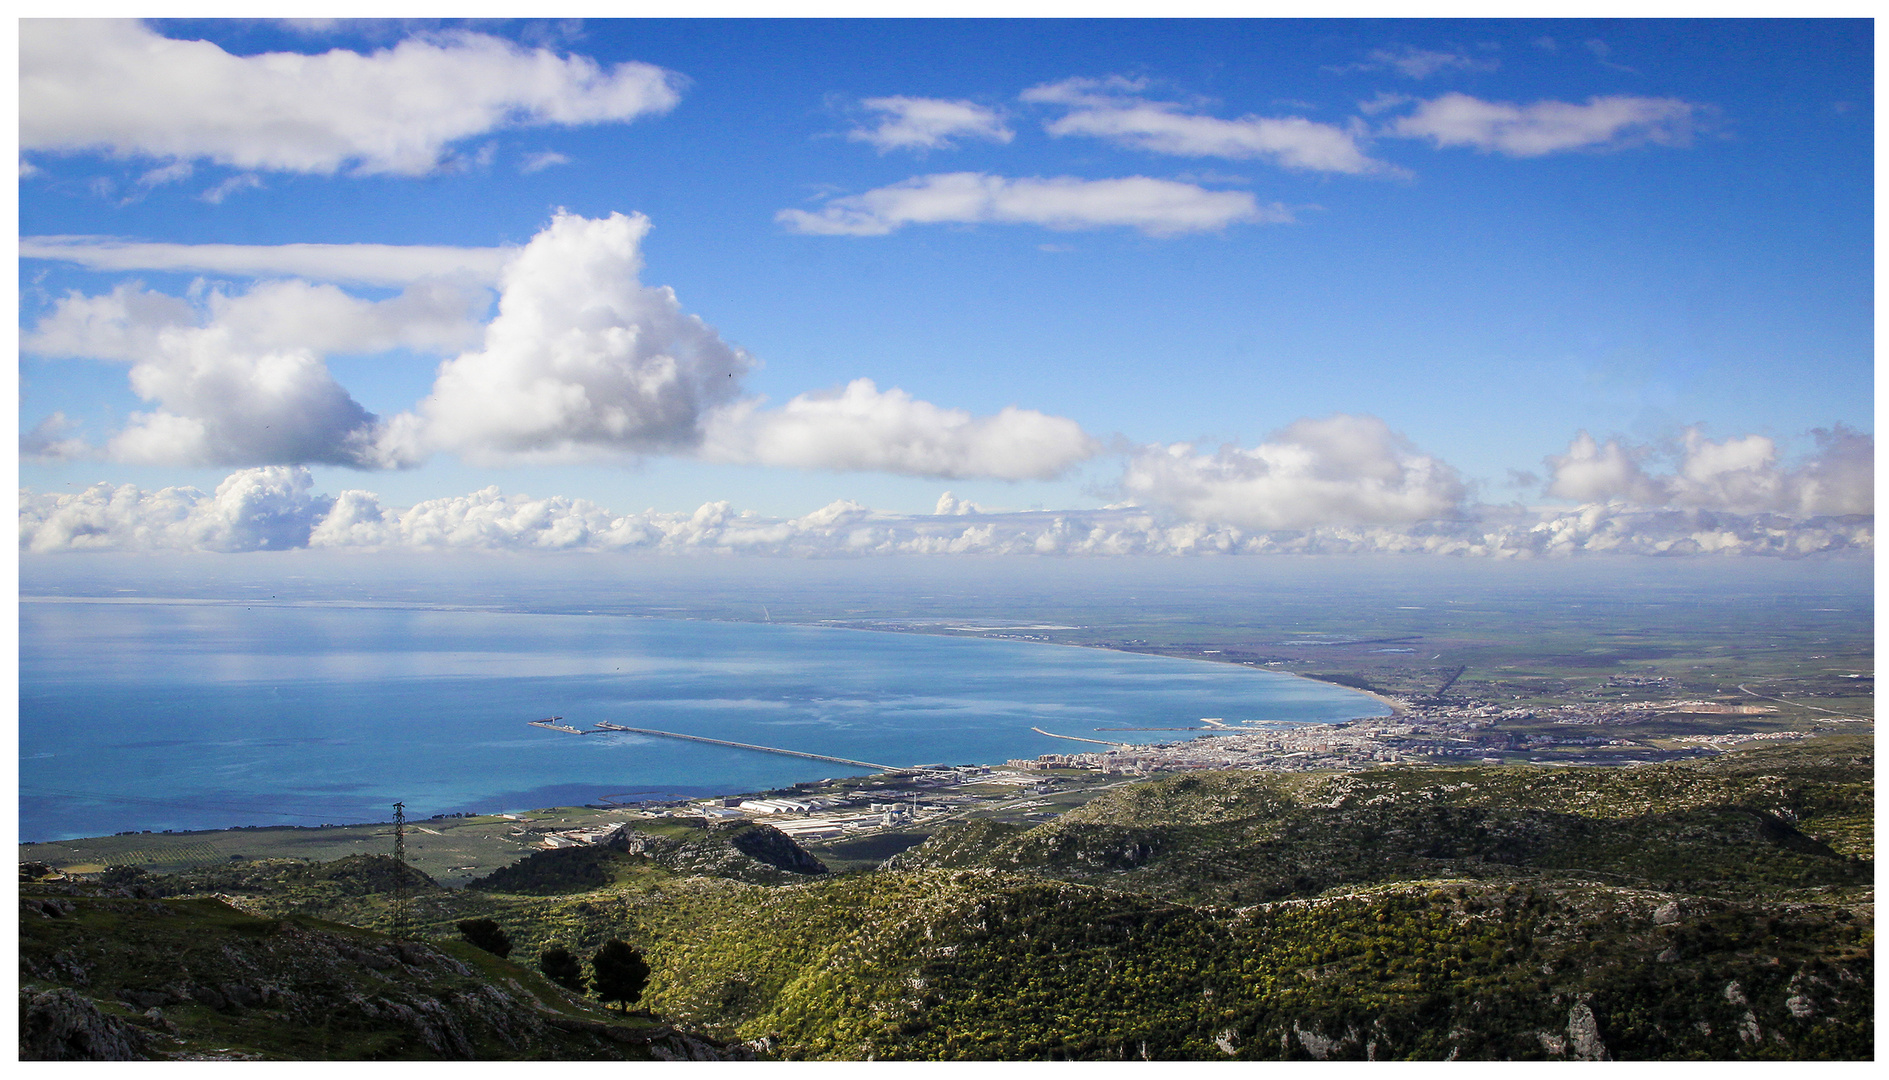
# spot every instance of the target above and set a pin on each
(187, 715)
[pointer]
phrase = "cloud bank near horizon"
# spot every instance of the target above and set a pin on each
(1340, 470)
(275, 508)
(1740, 475)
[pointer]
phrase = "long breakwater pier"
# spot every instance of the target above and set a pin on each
(602, 727)
(1098, 742)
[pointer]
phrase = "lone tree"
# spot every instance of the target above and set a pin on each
(561, 966)
(620, 973)
(487, 935)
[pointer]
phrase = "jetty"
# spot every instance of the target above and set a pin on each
(552, 723)
(874, 766)
(1078, 738)
(1196, 730)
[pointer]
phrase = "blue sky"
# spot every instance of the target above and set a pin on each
(1266, 277)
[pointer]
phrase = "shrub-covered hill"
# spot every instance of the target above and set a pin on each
(1744, 825)
(991, 965)
(741, 850)
(1710, 911)
(318, 882)
(1825, 787)
(355, 890)
(108, 975)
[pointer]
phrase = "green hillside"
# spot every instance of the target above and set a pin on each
(107, 974)
(744, 851)
(1751, 825)
(1719, 909)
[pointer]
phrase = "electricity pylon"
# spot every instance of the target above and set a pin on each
(402, 918)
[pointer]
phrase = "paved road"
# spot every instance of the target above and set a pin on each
(1801, 705)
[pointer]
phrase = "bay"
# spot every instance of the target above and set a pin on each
(191, 716)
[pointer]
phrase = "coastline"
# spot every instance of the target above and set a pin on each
(1172, 703)
(1179, 736)
(1396, 706)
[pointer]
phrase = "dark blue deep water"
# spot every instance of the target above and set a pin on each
(199, 715)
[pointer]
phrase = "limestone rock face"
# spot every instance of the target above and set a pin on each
(1584, 1034)
(61, 1025)
(1321, 1046)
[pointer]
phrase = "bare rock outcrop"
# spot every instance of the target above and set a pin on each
(63, 1025)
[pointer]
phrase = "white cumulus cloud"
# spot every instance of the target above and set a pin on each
(1156, 207)
(242, 379)
(1740, 475)
(1547, 127)
(1108, 109)
(582, 361)
(915, 123)
(1343, 470)
(223, 404)
(118, 86)
(864, 428)
(1592, 471)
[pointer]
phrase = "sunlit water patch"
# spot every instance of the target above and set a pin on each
(183, 716)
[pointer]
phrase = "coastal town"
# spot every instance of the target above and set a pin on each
(858, 818)
(1427, 730)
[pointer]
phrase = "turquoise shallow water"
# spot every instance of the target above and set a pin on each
(189, 716)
